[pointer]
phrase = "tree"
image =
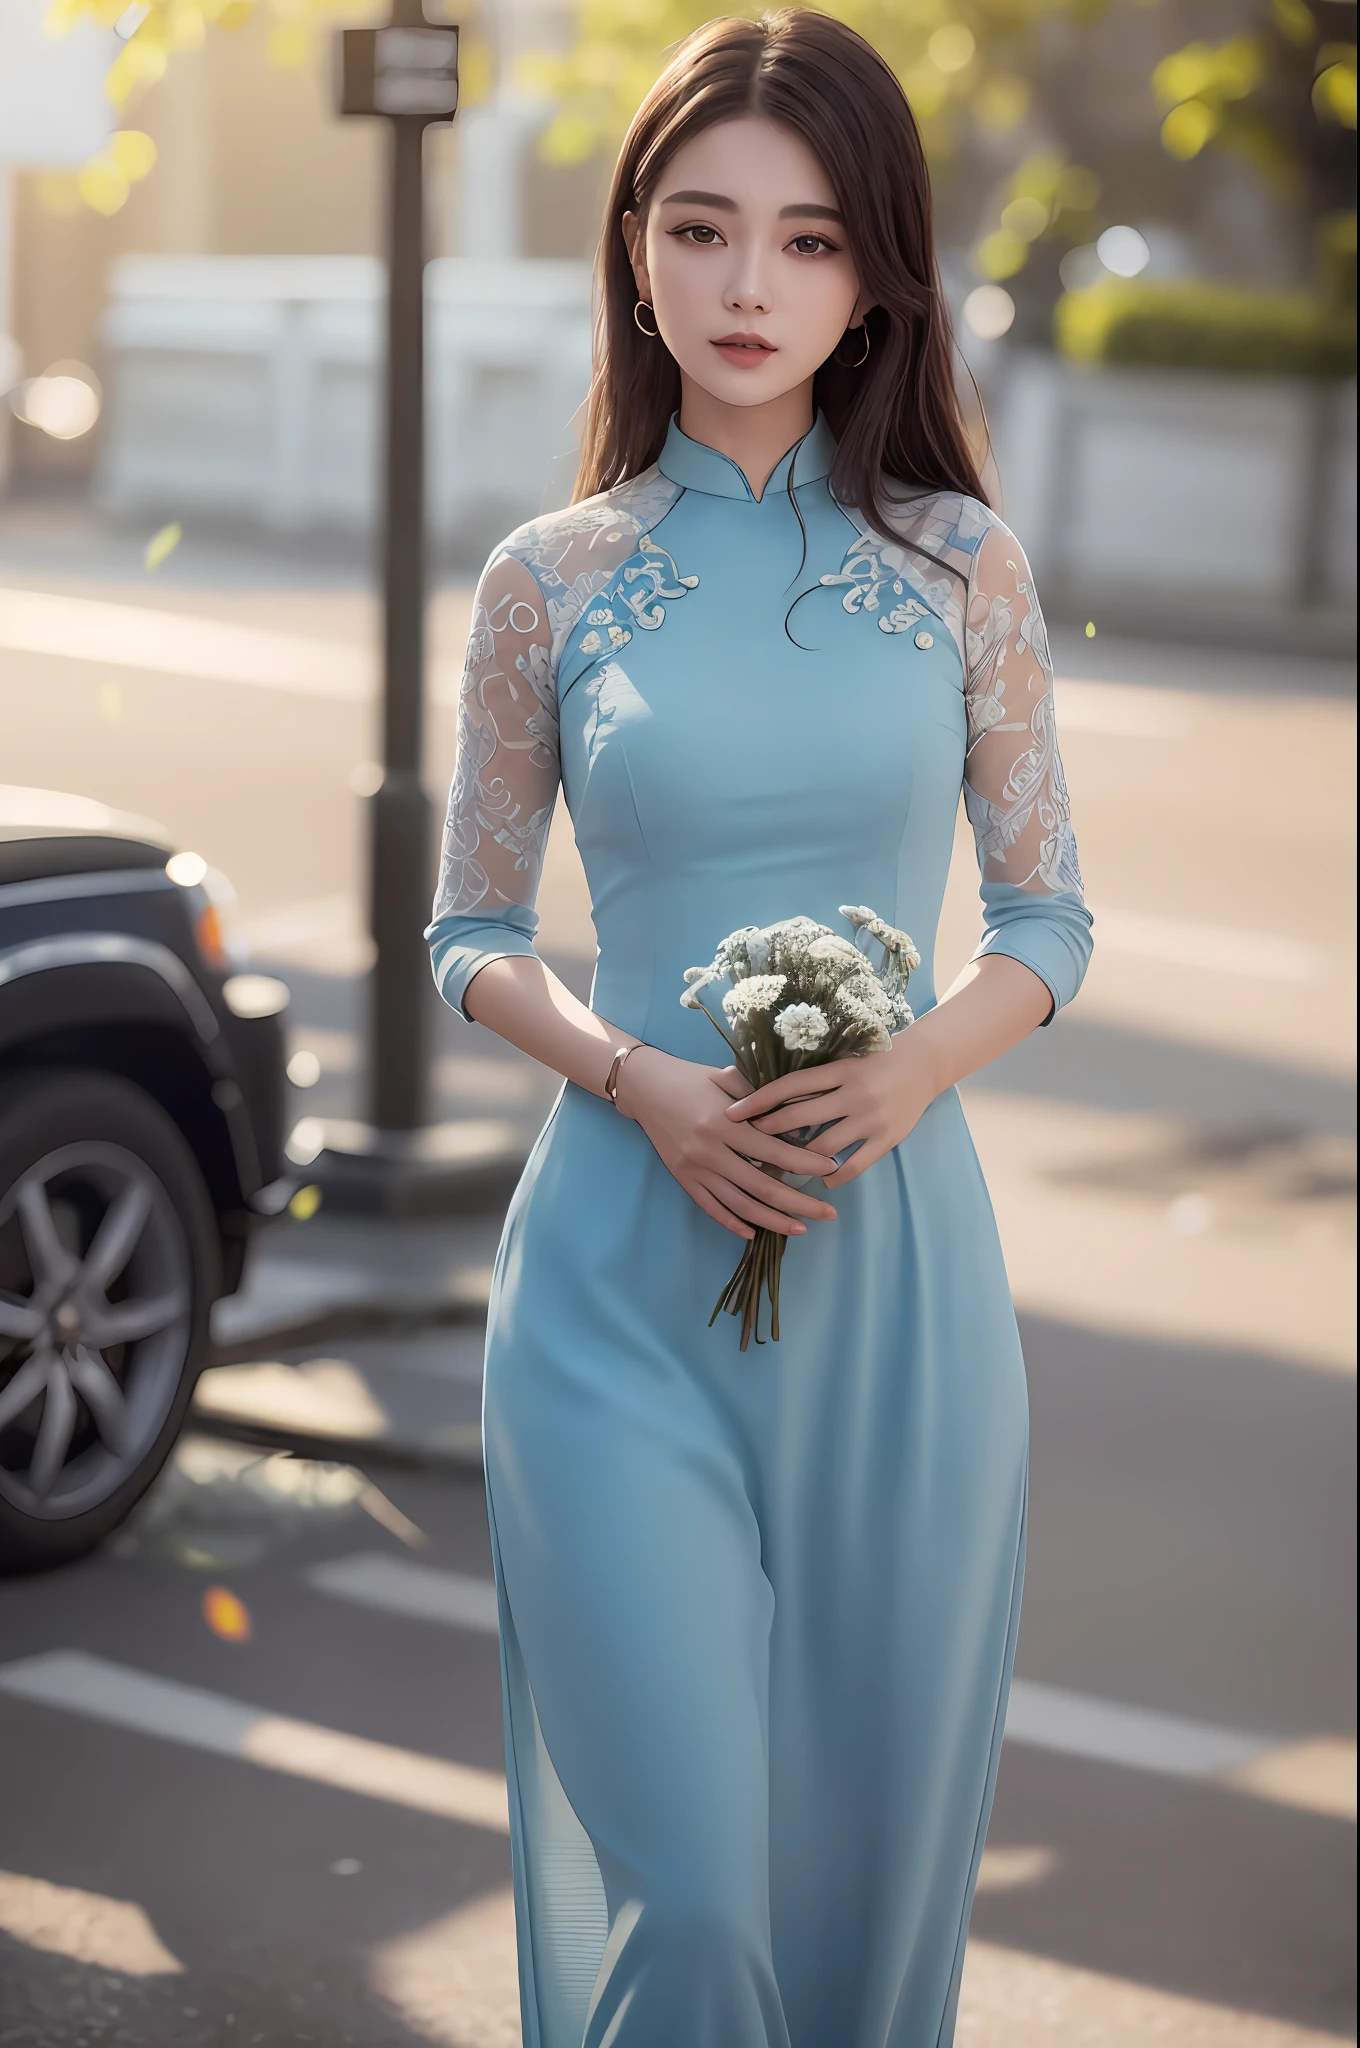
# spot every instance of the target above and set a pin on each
(154, 32)
(981, 78)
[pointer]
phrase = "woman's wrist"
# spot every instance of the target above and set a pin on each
(922, 1055)
(624, 1048)
(625, 1089)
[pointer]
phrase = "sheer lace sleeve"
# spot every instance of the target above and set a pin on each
(1014, 788)
(504, 783)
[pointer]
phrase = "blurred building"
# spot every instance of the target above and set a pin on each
(232, 308)
(231, 305)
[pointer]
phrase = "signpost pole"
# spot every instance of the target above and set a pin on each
(395, 1162)
(399, 984)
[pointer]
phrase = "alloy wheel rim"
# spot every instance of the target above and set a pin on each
(96, 1305)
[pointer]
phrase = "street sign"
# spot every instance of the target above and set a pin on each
(399, 70)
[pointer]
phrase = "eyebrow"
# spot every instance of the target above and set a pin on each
(715, 199)
(720, 202)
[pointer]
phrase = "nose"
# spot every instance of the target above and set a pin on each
(748, 290)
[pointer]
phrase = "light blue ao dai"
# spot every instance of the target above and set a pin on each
(758, 1612)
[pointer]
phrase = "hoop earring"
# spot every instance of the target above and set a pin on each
(651, 332)
(860, 361)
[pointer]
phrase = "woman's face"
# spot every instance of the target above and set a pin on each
(744, 260)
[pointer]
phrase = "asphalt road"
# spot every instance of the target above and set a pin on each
(1172, 1854)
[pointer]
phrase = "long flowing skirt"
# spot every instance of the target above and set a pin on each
(758, 1610)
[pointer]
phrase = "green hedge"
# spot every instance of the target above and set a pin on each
(1188, 324)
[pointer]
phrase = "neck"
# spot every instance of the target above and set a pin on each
(753, 436)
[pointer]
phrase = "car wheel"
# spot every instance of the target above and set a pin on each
(108, 1267)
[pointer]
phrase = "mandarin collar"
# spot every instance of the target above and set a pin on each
(698, 467)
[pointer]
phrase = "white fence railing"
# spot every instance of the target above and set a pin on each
(250, 388)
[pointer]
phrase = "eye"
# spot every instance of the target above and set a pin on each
(700, 232)
(810, 245)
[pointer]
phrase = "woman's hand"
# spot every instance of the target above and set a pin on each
(875, 1101)
(682, 1108)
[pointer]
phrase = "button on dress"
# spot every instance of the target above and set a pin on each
(758, 1610)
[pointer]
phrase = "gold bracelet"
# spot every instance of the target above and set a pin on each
(611, 1079)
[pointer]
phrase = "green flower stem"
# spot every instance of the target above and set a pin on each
(721, 1033)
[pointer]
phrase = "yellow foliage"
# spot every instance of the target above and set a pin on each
(1187, 128)
(133, 153)
(102, 185)
(173, 26)
(1078, 190)
(926, 90)
(1203, 85)
(1229, 71)
(1002, 102)
(1039, 178)
(1000, 254)
(952, 47)
(1334, 91)
(1295, 22)
(289, 45)
(1026, 217)
(137, 63)
(954, 57)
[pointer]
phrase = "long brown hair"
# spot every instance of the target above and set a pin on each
(896, 419)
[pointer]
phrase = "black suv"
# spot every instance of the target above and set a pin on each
(141, 1120)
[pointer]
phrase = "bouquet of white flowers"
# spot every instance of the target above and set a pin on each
(800, 996)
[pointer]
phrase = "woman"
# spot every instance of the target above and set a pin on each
(758, 1610)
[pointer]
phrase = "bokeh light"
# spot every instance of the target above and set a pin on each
(1080, 267)
(1123, 251)
(64, 402)
(226, 1615)
(1000, 255)
(989, 312)
(952, 47)
(1026, 217)
(187, 869)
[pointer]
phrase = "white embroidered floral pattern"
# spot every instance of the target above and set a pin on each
(960, 564)
(599, 566)
(548, 578)
(871, 568)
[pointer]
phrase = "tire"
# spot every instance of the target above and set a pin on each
(108, 1269)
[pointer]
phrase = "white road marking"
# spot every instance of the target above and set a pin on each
(88, 1927)
(1076, 1724)
(419, 1591)
(218, 650)
(1014, 2000)
(1317, 1776)
(187, 1714)
(1219, 948)
(205, 649)
(195, 648)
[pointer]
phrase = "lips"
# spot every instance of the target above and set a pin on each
(745, 349)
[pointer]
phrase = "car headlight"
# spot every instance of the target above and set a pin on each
(218, 942)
